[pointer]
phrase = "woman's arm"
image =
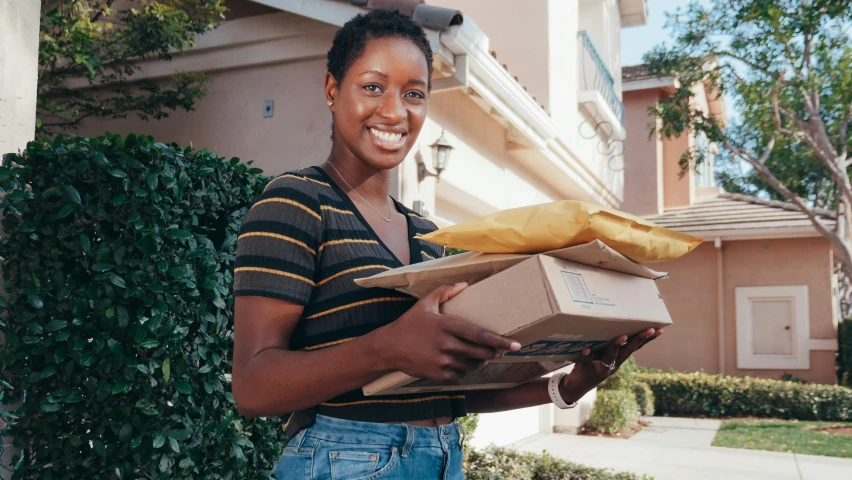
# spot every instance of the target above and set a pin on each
(588, 372)
(269, 379)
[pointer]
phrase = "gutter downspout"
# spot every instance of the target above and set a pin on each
(720, 299)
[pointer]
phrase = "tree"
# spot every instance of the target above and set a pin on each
(787, 65)
(94, 45)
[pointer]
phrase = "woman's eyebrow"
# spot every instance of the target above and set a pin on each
(416, 81)
(375, 72)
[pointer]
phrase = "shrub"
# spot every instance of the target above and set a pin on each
(844, 353)
(615, 411)
(622, 379)
(118, 262)
(644, 398)
(502, 463)
(715, 396)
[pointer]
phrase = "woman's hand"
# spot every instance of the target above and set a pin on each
(591, 370)
(424, 343)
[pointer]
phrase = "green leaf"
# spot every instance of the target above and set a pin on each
(117, 281)
(123, 316)
(177, 273)
(102, 267)
(143, 368)
(167, 369)
(186, 463)
(98, 447)
(126, 432)
(209, 284)
(88, 359)
(119, 199)
(51, 407)
(174, 444)
(120, 385)
(183, 387)
(35, 301)
(130, 141)
(179, 234)
(73, 194)
(65, 211)
(85, 243)
(73, 397)
(117, 172)
(55, 325)
(136, 442)
(150, 343)
(159, 441)
(35, 328)
(47, 372)
(151, 181)
(181, 435)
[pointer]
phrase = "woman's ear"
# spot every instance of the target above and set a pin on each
(330, 90)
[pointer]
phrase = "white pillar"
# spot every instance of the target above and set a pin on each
(19, 24)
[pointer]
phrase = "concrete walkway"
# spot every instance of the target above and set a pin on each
(678, 449)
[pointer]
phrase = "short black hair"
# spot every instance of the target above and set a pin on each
(351, 39)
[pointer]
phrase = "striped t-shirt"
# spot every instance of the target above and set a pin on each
(304, 241)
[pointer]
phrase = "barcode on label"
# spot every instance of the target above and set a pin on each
(577, 287)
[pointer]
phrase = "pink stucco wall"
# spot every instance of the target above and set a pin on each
(690, 293)
(643, 156)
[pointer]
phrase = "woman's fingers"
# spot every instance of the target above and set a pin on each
(634, 344)
(610, 356)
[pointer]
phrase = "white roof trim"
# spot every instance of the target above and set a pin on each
(646, 84)
(755, 234)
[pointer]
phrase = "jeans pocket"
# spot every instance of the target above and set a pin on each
(361, 465)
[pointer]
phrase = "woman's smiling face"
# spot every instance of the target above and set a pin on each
(380, 104)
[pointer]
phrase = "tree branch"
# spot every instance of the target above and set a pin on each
(843, 142)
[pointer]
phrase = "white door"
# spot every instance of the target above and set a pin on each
(773, 327)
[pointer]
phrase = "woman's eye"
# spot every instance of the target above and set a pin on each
(416, 95)
(372, 87)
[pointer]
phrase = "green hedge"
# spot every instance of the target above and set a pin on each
(502, 463)
(118, 263)
(615, 411)
(717, 396)
(644, 397)
(844, 353)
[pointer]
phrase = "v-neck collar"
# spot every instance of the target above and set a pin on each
(414, 253)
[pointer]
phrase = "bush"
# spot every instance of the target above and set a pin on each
(502, 463)
(622, 379)
(844, 353)
(118, 262)
(715, 396)
(644, 398)
(615, 411)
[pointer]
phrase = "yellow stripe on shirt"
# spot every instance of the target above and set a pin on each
(289, 202)
(279, 237)
(329, 344)
(358, 304)
(336, 210)
(274, 272)
(304, 179)
(352, 270)
(346, 240)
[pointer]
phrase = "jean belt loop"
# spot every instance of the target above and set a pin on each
(301, 438)
(462, 434)
(409, 440)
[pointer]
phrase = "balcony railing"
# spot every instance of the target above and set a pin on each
(595, 75)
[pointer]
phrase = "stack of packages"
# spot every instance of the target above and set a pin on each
(558, 278)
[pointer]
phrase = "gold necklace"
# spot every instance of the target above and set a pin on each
(390, 212)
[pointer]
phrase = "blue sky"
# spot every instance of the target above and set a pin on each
(635, 41)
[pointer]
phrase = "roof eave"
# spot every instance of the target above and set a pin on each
(756, 233)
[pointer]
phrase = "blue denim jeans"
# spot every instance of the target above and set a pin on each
(343, 449)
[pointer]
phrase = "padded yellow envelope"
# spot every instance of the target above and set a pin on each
(551, 226)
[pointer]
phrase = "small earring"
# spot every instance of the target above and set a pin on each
(329, 102)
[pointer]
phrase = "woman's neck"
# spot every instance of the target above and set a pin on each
(371, 183)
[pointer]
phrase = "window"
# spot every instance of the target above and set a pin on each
(704, 175)
(773, 327)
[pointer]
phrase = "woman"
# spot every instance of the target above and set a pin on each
(308, 338)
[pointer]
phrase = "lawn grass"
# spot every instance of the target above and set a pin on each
(784, 436)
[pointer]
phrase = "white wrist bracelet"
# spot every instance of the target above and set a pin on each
(553, 390)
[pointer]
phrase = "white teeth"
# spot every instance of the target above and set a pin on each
(386, 136)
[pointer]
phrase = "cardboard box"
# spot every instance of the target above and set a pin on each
(555, 304)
